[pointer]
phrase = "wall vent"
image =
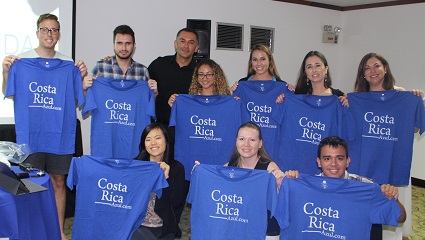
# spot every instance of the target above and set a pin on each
(229, 36)
(262, 35)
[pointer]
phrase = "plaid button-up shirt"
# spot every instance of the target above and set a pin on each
(111, 69)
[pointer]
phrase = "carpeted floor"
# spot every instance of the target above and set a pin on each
(418, 218)
(418, 214)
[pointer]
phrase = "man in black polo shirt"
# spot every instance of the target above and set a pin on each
(173, 73)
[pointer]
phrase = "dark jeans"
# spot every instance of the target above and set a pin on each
(376, 232)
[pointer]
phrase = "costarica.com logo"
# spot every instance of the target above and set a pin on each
(379, 126)
(321, 220)
(227, 206)
(112, 194)
(204, 128)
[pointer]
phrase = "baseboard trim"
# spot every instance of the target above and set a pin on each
(418, 182)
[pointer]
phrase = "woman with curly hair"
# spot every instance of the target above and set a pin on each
(207, 79)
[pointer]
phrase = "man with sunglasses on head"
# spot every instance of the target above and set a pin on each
(57, 165)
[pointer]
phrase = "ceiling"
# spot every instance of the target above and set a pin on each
(348, 3)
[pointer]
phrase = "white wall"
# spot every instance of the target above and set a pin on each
(298, 29)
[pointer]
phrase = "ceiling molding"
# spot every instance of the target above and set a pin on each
(312, 4)
(383, 4)
(350, 8)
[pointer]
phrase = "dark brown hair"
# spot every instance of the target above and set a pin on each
(362, 85)
(302, 87)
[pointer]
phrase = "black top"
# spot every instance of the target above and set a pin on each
(171, 78)
(167, 206)
(337, 92)
(334, 91)
(261, 165)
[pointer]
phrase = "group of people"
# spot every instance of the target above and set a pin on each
(176, 74)
(172, 74)
(332, 159)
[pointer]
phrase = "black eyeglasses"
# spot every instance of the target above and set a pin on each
(208, 75)
(53, 31)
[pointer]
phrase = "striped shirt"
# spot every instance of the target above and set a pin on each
(352, 176)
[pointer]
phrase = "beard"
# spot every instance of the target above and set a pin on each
(119, 55)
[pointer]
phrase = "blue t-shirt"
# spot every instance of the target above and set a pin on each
(230, 202)
(120, 109)
(304, 120)
(259, 98)
(385, 123)
(112, 195)
(314, 207)
(44, 92)
(206, 128)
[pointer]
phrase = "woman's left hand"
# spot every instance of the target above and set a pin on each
(344, 100)
(280, 98)
(279, 175)
(418, 92)
(234, 87)
(166, 168)
(290, 87)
